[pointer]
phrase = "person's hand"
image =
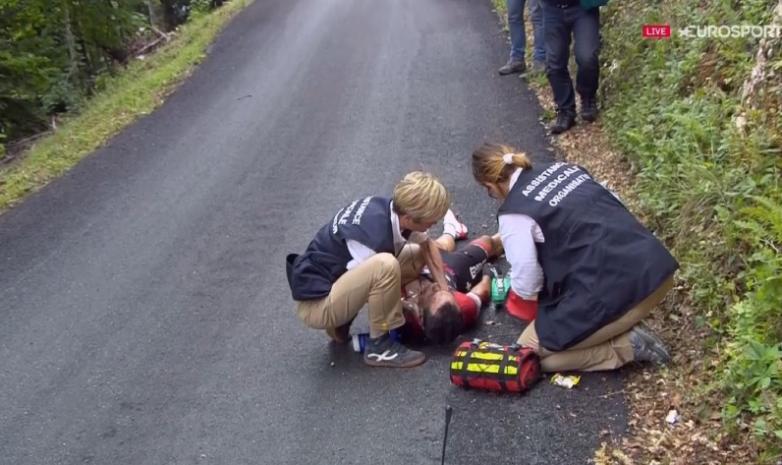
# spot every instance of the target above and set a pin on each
(489, 270)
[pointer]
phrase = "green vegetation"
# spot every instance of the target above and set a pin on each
(40, 77)
(705, 139)
(706, 142)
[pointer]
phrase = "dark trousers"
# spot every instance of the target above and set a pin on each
(559, 24)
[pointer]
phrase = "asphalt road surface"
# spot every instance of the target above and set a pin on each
(144, 312)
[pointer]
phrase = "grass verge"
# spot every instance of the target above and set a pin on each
(134, 92)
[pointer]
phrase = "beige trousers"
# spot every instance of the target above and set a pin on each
(606, 349)
(377, 282)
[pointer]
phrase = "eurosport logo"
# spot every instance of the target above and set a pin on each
(736, 31)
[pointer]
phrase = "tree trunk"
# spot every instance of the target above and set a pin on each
(154, 9)
(70, 42)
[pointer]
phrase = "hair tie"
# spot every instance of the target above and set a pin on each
(508, 158)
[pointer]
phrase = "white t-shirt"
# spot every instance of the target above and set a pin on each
(519, 234)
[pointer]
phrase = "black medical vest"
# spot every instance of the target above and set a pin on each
(367, 220)
(598, 261)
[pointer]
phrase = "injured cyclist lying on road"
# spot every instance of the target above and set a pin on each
(439, 315)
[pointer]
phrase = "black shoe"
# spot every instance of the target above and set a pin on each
(386, 352)
(566, 119)
(589, 109)
(647, 347)
(513, 66)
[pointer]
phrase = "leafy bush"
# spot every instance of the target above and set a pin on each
(708, 164)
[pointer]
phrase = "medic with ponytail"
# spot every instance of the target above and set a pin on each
(584, 270)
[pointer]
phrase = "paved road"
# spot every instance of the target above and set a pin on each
(144, 314)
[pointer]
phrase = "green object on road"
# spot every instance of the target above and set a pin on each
(500, 285)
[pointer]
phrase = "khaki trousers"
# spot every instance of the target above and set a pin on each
(606, 349)
(378, 282)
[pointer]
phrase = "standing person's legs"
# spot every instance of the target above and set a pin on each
(536, 18)
(518, 37)
(606, 349)
(556, 31)
(586, 35)
(377, 281)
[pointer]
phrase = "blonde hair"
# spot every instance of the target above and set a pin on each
(421, 196)
(488, 164)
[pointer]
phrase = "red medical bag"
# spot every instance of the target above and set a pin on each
(483, 365)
